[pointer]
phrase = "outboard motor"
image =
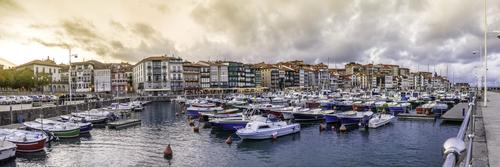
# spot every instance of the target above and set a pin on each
(364, 121)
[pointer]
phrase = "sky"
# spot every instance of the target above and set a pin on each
(425, 35)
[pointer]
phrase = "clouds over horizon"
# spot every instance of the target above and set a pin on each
(412, 33)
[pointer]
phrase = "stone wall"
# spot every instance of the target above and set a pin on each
(47, 112)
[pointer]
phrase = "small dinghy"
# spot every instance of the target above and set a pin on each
(267, 129)
(7, 150)
(26, 141)
(379, 120)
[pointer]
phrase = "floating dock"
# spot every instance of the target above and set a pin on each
(120, 124)
(456, 114)
(415, 116)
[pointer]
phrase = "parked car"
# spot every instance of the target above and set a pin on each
(4, 100)
(25, 99)
(13, 100)
(34, 98)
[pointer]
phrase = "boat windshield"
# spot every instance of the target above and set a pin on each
(263, 126)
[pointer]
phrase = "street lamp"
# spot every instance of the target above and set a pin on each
(69, 76)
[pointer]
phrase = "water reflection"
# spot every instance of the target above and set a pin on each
(404, 143)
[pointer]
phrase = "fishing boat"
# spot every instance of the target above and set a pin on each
(398, 107)
(235, 123)
(59, 129)
(306, 114)
(195, 109)
(330, 118)
(85, 127)
(425, 108)
(97, 114)
(354, 117)
(26, 141)
(83, 118)
(7, 150)
(379, 120)
(439, 108)
(267, 129)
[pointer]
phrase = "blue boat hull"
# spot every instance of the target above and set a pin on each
(307, 117)
(330, 118)
(85, 128)
(230, 126)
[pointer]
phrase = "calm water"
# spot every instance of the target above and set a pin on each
(404, 143)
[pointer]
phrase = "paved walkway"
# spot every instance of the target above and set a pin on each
(491, 117)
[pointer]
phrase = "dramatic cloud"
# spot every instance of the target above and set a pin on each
(417, 34)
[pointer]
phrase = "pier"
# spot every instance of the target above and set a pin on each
(456, 113)
(491, 118)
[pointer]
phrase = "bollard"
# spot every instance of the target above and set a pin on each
(463, 111)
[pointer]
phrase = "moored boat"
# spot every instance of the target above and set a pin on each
(59, 129)
(7, 150)
(379, 120)
(267, 129)
(26, 141)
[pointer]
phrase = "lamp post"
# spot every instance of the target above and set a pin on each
(69, 76)
(485, 54)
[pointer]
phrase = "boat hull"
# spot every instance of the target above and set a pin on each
(234, 125)
(7, 151)
(268, 134)
(67, 133)
(34, 146)
(331, 118)
(85, 128)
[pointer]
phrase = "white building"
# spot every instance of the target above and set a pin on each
(82, 75)
(51, 69)
(157, 75)
(102, 80)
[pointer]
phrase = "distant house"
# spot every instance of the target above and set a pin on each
(50, 68)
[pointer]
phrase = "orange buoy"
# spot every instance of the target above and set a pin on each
(229, 140)
(168, 152)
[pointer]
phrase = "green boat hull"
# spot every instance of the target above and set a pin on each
(67, 134)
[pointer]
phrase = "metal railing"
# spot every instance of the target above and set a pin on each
(454, 149)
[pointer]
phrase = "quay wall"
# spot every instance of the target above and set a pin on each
(53, 111)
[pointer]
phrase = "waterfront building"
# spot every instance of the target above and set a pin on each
(204, 74)
(121, 78)
(250, 76)
(270, 76)
(236, 74)
(176, 75)
(258, 76)
(51, 70)
(102, 79)
(157, 75)
(82, 75)
(191, 77)
(218, 75)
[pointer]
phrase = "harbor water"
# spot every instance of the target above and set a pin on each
(402, 143)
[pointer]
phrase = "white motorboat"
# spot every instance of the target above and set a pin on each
(267, 129)
(7, 150)
(380, 120)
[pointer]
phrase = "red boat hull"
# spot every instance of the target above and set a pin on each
(30, 146)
